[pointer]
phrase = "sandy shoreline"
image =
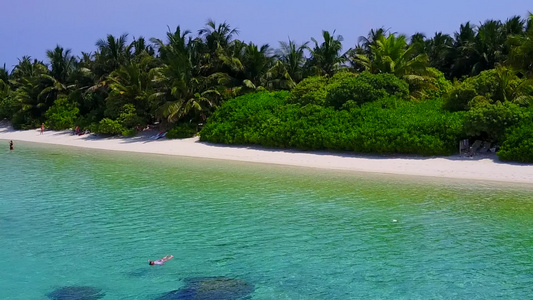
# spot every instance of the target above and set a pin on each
(477, 168)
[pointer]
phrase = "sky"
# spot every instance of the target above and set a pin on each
(30, 27)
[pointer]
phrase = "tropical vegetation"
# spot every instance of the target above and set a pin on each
(390, 93)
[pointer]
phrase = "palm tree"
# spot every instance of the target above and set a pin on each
(178, 44)
(214, 35)
(393, 55)
(489, 46)
(326, 57)
(112, 53)
(511, 88)
(4, 74)
(62, 68)
(439, 51)
(139, 48)
(62, 63)
(182, 94)
(179, 86)
(7, 95)
(521, 51)
(373, 36)
(292, 56)
(418, 40)
(278, 78)
(363, 46)
(27, 68)
(514, 26)
(132, 84)
(27, 80)
(256, 62)
(464, 53)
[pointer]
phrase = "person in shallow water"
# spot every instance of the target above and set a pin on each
(160, 261)
(11, 145)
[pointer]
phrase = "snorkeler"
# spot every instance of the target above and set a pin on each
(160, 261)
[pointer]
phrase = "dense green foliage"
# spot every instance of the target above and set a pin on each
(61, 115)
(490, 121)
(389, 125)
(182, 131)
(389, 94)
(311, 90)
(518, 145)
(500, 84)
(346, 86)
(365, 87)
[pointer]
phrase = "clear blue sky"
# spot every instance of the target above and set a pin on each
(30, 27)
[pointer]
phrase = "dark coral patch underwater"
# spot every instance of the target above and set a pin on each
(211, 288)
(76, 293)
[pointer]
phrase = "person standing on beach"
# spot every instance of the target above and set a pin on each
(11, 145)
(42, 128)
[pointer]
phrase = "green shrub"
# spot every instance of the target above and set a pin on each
(351, 89)
(128, 117)
(8, 105)
(490, 122)
(311, 90)
(341, 75)
(250, 111)
(459, 97)
(494, 85)
(391, 84)
(108, 126)
(365, 87)
(443, 85)
(433, 85)
(486, 84)
(518, 145)
(129, 132)
(61, 115)
(388, 125)
(181, 131)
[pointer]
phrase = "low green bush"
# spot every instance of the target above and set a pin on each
(108, 126)
(181, 131)
(365, 87)
(250, 112)
(389, 125)
(61, 115)
(495, 85)
(311, 90)
(489, 122)
(518, 145)
(8, 105)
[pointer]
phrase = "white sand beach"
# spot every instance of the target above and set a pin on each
(477, 168)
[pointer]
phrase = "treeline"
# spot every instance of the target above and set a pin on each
(388, 94)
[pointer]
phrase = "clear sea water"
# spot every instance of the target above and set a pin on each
(80, 217)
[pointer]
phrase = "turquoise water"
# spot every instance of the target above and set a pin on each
(78, 217)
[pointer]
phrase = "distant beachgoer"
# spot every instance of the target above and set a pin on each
(11, 145)
(42, 128)
(160, 261)
(77, 130)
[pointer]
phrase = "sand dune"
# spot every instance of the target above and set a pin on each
(478, 168)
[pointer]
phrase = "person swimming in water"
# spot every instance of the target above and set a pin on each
(160, 261)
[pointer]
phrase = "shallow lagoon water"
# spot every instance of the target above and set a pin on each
(81, 217)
